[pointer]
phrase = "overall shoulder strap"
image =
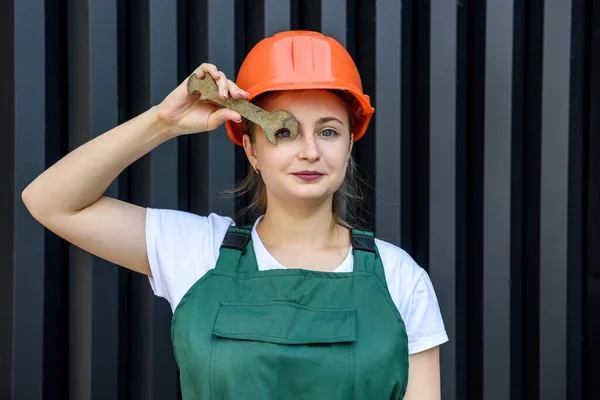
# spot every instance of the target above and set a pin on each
(236, 252)
(366, 256)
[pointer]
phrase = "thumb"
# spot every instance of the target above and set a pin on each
(221, 115)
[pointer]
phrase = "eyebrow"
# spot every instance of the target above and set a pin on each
(324, 120)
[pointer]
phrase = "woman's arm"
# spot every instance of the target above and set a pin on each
(424, 375)
(67, 197)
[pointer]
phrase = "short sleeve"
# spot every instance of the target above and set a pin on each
(413, 294)
(422, 317)
(181, 248)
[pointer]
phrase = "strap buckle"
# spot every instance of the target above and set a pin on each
(363, 241)
(235, 240)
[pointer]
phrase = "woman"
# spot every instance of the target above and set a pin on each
(298, 305)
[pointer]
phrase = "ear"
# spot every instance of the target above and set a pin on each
(249, 149)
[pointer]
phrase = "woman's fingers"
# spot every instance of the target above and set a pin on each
(236, 92)
(221, 115)
(224, 85)
(210, 68)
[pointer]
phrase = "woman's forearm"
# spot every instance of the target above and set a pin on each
(81, 177)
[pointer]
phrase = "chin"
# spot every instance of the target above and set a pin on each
(293, 191)
(310, 192)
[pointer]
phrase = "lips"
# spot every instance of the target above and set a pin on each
(308, 175)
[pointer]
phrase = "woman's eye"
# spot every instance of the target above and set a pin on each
(282, 134)
(328, 132)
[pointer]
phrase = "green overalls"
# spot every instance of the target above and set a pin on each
(241, 333)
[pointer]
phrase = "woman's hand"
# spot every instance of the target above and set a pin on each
(187, 114)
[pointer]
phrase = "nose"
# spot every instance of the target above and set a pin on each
(308, 150)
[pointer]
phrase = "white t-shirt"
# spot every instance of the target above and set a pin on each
(183, 246)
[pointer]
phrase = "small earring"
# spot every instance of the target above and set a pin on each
(256, 170)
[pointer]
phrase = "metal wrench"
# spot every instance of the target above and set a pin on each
(271, 122)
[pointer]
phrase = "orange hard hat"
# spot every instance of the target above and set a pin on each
(302, 60)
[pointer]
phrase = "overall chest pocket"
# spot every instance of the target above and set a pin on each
(282, 350)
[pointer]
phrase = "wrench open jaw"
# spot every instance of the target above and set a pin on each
(271, 122)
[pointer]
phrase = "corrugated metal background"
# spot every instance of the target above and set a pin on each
(484, 160)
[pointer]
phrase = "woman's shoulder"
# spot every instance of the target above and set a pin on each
(181, 247)
(399, 265)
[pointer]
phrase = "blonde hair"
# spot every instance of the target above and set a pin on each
(346, 200)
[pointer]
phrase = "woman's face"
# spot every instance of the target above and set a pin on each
(312, 166)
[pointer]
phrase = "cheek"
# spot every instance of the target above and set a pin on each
(272, 162)
(336, 156)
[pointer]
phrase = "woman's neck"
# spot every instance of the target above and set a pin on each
(310, 226)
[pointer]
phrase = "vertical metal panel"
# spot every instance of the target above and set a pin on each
(576, 215)
(474, 207)
(333, 22)
(592, 276)
(164, 181)
(198, 150)
(221, 52)
(592, 231)
(442, 170)
(388, 16)
(28, 239)
(142, 313)
(277, 16)
(526, 262)
(407, 46)
(163, 79)
(553, 207)
(104, 114)
(517, 215)
(517, 209)
(304, 16)
(80, 328)
(7, 200)
(497, 195)
(463, 78)
(80, 271)
(56, 310)
(421, 81)
(94, 282)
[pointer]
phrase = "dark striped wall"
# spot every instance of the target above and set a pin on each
(483, 160)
